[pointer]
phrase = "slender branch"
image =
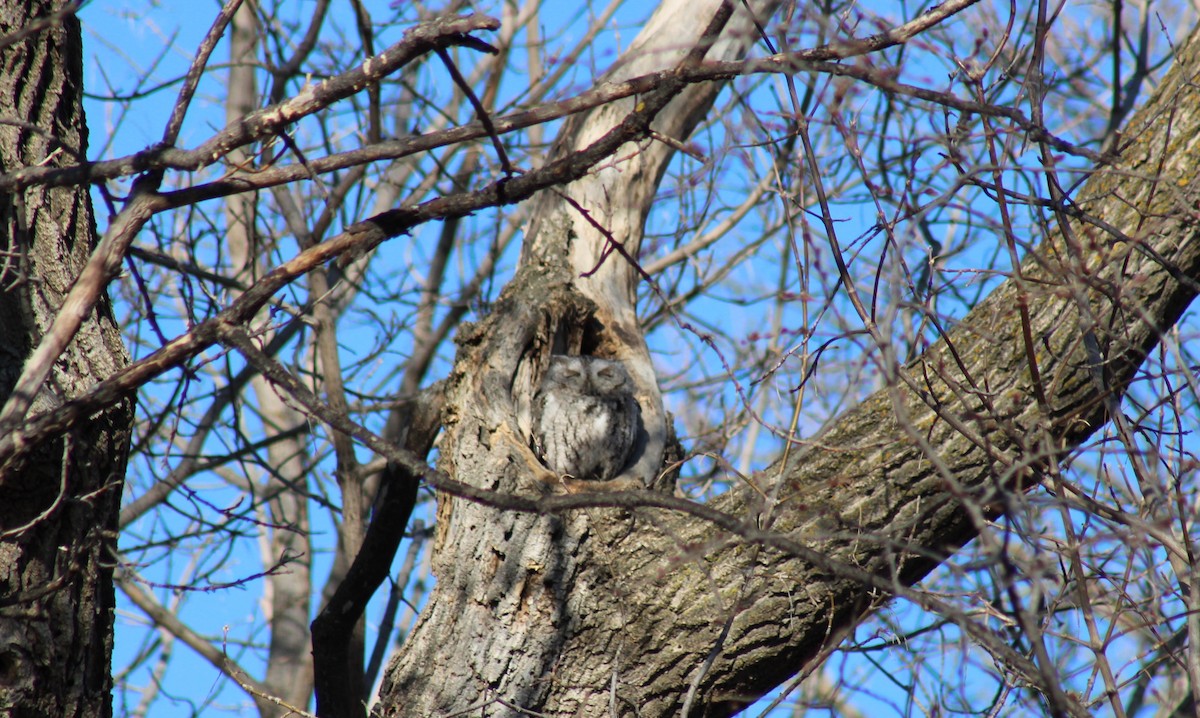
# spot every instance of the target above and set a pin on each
(171, 622)
(269, 121)
(102, 266)
(824, 59)
(484, 118)
(196, 70)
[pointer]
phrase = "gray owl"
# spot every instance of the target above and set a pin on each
(585, 418)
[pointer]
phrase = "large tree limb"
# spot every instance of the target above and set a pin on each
(906, 477)
(649, 611)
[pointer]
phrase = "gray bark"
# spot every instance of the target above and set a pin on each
(483, 558)
(60, 502)
(625, 611)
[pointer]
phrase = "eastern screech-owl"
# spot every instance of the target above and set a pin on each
(585, 418)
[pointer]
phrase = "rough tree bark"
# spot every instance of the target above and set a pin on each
(60, 503)
(623, 611)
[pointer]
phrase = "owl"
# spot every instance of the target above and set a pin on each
(585, 417)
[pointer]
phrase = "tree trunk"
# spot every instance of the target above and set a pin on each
(60, 503)
(502, 611)
(643, 611)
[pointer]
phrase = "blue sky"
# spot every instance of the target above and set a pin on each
(156, 41)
